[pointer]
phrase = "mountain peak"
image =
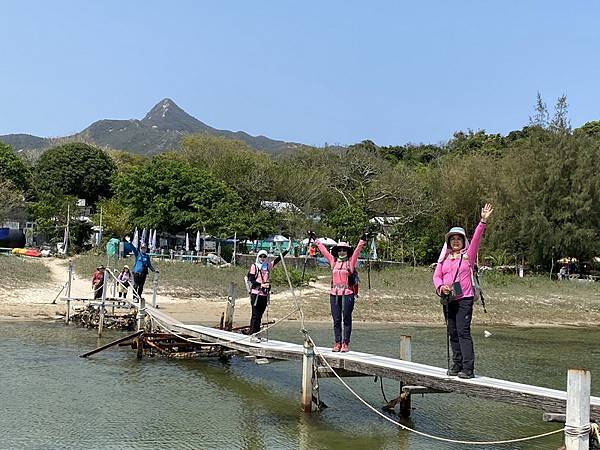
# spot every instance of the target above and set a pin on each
(166, 115)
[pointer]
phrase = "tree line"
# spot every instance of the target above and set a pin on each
(542, 180)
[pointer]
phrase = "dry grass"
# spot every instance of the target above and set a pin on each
(19, 272)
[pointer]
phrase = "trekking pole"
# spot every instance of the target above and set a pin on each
(447, 336)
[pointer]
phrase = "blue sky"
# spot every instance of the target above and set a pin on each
(310, 71)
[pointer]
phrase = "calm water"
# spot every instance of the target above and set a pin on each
(50, 398)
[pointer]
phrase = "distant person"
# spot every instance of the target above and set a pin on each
(124, 280)
(342, 261)
(98, 282)
(312, 251)
(140, 268)
(453, 283)
(260, 288)
(562, 273)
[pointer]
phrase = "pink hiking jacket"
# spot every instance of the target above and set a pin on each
(339, 269)
(446, 269)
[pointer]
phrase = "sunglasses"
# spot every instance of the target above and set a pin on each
(262, 256)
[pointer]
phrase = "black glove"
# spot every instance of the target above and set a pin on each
(311, 235)
(364, 236)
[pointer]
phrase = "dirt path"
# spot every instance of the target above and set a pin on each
(36, 302)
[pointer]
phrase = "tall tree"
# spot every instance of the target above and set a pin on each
(75, 169)
(12, 168)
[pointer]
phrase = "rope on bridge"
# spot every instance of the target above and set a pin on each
(421, 433)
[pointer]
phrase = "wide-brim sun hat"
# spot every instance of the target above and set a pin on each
(126, 267)
(336, 248)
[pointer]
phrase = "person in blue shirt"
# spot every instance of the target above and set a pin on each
(140, 268)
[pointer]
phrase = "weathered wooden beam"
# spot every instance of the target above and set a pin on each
(110, 344)
(324, 372)
(554, 417)
(422, 390)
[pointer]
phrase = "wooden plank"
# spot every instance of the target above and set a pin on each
(578, 409)
(110, 344)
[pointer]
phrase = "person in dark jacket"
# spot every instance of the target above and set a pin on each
(140, 268)
(260, 287)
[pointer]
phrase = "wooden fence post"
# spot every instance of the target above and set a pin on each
(228, 325)
(306, 396)
(405, 355)
(578, 410)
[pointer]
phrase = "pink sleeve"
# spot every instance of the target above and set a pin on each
(475, 242)
(253, 269)
(438, 277)
(356, 254)
(325, 252)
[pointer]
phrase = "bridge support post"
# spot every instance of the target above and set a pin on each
(141, 315)
(155, 276)
(578, 410)
(405, 355)
(101, 312)
(228, 325)
(69, 281)
(306, 396)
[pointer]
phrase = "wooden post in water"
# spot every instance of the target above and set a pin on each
(101, 319)
(155, 276)
(405, 355)
(306, 396)
(578, 410)
(68, 315)
(228, 325)
(141, 313)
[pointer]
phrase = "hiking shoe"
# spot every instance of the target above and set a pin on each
(344, 348)
(337, 347)
(466, 374)
(454, 370)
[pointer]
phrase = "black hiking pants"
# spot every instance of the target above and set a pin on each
(341, 310)
(458, 316)
(259, 304)
(139, 278)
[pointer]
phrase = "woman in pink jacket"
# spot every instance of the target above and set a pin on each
(454, 283)
(342, 261)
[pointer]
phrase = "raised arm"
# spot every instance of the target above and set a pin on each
(128, 247)
(281, 255)
(356, 253)
(473, 249)
(328, 256)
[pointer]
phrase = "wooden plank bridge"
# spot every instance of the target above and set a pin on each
(353, 363)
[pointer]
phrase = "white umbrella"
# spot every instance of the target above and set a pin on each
(143, 239)
(198, 241)
(154, 241)
(135, 238)
(324, 240)
(187, 242)
(373, 250)
(327, 241)
(280, 238)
